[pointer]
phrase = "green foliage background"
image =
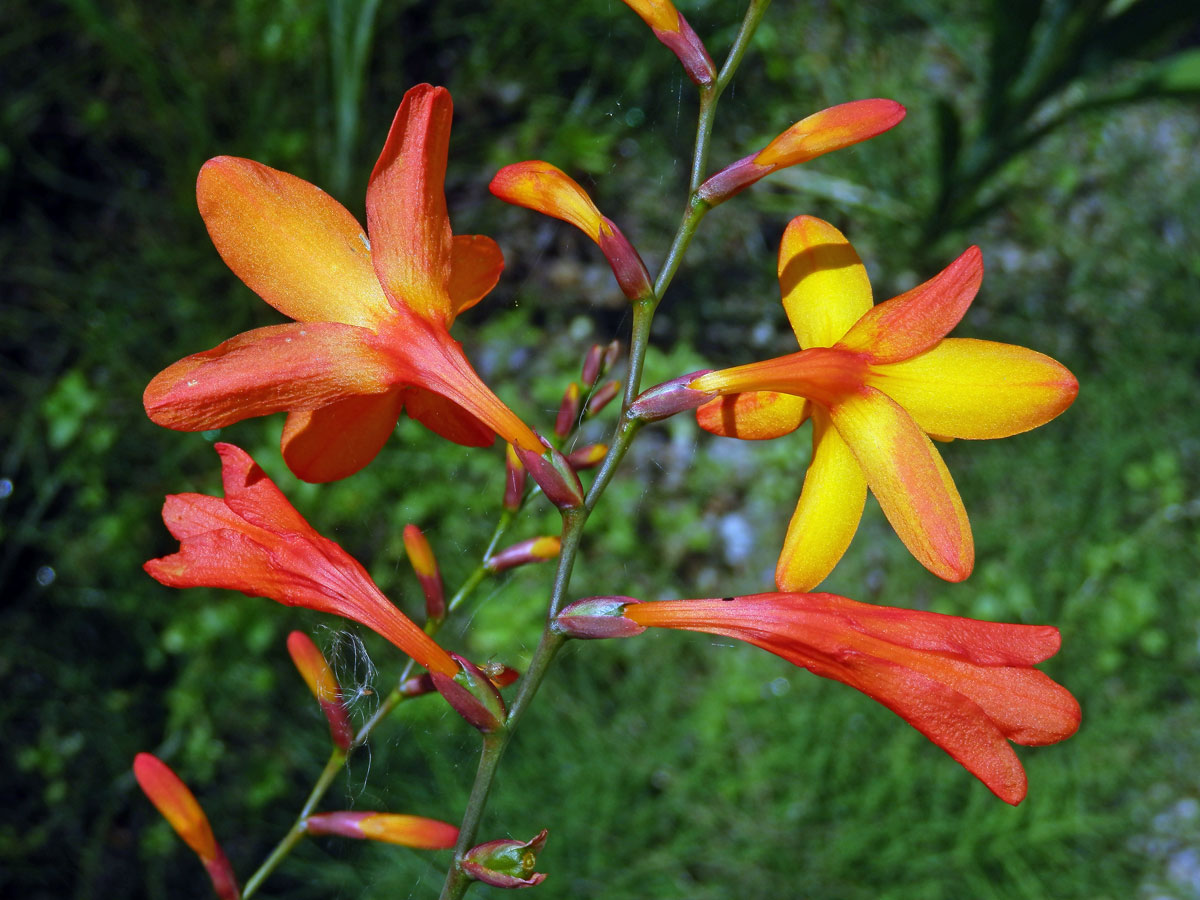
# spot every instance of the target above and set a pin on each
(672, 765)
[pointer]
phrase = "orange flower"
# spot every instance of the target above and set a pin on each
(255, 542)
(371, 336)
(968, 686)
(179, 807)
(876, 380)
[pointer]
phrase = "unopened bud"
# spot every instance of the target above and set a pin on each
(603, 396)
(670, 27)
(592, 361)
(597, 617)
(587, 457)
(424, 563)
(632, 276)
(568, 411)
(534, 550)
(612, 353)
(472, 695)
(498, 674)
(555, 476)
(408, 831)
(506, 863)
(315, 671)
(514, 479)
(665, 400)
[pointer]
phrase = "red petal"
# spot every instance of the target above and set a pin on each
(338, 440)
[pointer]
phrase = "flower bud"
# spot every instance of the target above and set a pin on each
(597, 617)
(472, 695)
(592, 362)
(506, 863)
(534, 550)
(612, 353)
(587, 457)
(514, 479)
(670, 27)
(498, 674)
(568, 411)
(665, 400)
(424, 563)
(313, 667)
(409, 831)
(554, 476)
(603, 397)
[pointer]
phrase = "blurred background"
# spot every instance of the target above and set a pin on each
(1059, 136)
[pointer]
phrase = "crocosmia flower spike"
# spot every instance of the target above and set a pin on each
(548, 189)
(255, 542)
(409, 831)
(670, 27)
(315, 671)
(830, 129)
(179, 807)
(371, 336)
(876, 380)
(968, 686)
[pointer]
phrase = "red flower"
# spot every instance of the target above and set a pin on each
(371, 336)
(968, 686)
(255, 542)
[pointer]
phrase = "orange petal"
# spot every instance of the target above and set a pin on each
(290, 242)
(910, 481)
(255, 498)
(824, 284)
(267, 370)
(831, 129)
(547, 189)
(915, 321)
(978, 389)
(338, 440)
(475, 266)
(754, 415)
(447, 419)
(660, 15)
(827, 515)
(406, 205)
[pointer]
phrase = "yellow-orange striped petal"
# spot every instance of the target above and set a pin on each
(475, 266)
(337, 440)
(300, 366)
(753, 415)
(411, 243)
(824, 283)
(828, 513)
(909, 480)
(547, 189)
(831, 129)
(966, 388)
(290, 242)
(916, 320)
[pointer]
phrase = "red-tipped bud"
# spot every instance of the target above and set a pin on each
(665, 400)
(409, 831)
(506, 863)
(603, 396)
(670, 27)
(472, 695)
(597, 617)
(592, 362)
(555, 476)
(612, 353)
(830, 129)
(424, 563)
(514, 479)
(534, 550)
(568, 411)
(312, 666)
(497, 673)
(179, 807)
(587, 457)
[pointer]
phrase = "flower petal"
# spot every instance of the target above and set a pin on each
(252, 496)
(910, 481)
(547, 189)
(754, 415)
(338, 440)
(916, 320)
(406, 205)
(824, 283)
(282, 367)
(475, 266)
(827, 515)
(290, 242)
(447, 419)
(965, 388)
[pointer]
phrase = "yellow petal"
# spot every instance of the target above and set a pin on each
(548, 189)
(824, 284)
(830, 507)
(753, 416)
(290, 242)
(660, 15)
(337, 440)
(977, 389)
(475, 266)
(909, 480)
